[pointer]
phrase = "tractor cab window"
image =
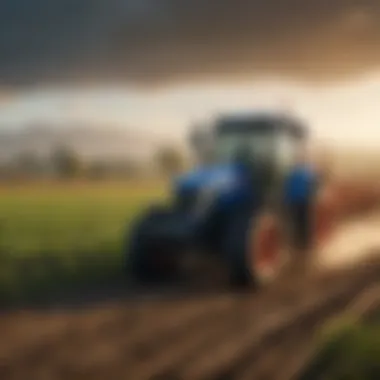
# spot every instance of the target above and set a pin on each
(255, 135)
(227, 146)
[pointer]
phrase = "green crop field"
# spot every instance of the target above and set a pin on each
(55, 234)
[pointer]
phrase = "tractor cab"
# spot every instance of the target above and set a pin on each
(271, 141)
(267, 143)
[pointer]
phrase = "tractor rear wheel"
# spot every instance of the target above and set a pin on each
(267, 248)
(255, 249)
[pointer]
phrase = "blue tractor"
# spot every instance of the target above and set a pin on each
(229, 207)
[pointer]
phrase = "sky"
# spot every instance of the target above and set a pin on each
(154, 42)
(164, 64)
(347, 113)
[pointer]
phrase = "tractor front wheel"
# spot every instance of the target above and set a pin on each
(147, 261)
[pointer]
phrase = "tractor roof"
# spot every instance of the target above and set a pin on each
(275, 122)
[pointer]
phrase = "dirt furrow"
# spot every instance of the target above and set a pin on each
(289, 356)
(165, 363)
(147, 354)
(149, 339)
(225, 336)
(228, 359)
(250, 313)
(131, 324)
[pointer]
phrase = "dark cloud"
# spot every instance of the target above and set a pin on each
(149, 41)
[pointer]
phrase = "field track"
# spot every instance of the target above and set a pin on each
(220, 335)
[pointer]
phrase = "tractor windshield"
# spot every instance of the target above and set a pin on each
(228, 145)
(257, 135)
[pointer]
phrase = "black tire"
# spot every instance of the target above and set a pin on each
(236, 246)
(243, 269)
(138, 264)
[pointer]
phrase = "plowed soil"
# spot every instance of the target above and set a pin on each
(189, 335)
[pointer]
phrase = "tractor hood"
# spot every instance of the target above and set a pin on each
(219, 178)
(223, 185)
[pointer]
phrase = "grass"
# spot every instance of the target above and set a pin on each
(54, 235)
(58, 235)
(347, 351)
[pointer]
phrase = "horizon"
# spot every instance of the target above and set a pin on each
(343, 113)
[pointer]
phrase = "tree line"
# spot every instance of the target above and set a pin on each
(65, 163)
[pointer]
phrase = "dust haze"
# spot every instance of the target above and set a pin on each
(150, 41)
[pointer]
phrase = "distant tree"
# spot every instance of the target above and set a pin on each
(97, 170)
(27, 164)
(5, 171)
(170, 160)
(66, 162)
(128, 169)
(117, 169)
